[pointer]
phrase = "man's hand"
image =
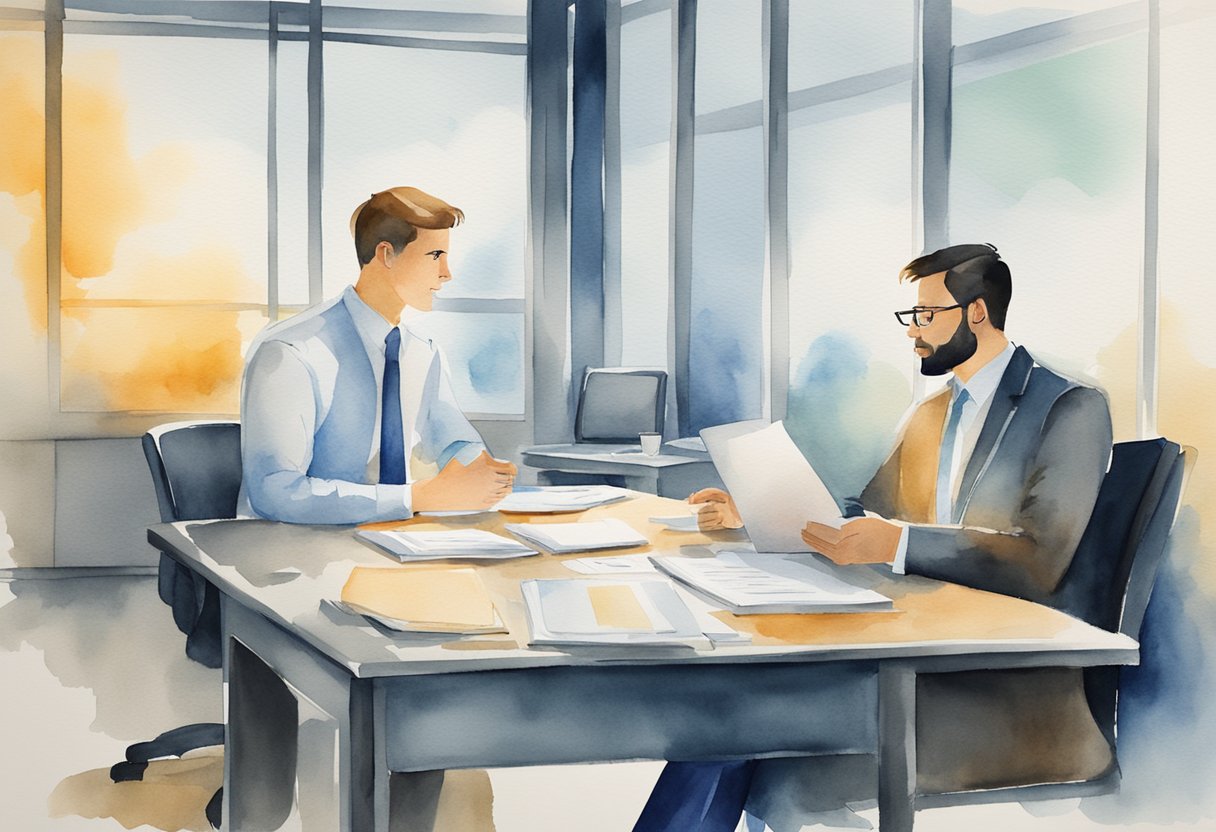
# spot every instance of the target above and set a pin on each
(719, 510)
(864, 540)
(478, 485)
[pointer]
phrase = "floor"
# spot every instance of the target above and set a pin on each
(89, 664)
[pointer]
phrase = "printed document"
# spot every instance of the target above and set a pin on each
(454, 543)
(558, 498)
(562, 538)
(602, 612)
(774, 487)
(749, 583)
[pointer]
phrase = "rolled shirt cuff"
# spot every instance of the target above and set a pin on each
(901, 553)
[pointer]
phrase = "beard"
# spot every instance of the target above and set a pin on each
(944, 358)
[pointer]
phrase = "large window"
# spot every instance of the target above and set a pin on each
(851, 228)
(1052, 172)
(197, 204)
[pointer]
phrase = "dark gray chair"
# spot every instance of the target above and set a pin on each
(196, 472)
(1108, 584)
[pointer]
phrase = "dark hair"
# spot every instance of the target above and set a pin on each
(972, 272)
(394, 216)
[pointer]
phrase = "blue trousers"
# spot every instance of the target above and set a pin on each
(697, 797)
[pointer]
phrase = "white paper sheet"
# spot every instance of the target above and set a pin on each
(774, 487)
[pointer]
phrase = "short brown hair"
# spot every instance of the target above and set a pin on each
(394, 216)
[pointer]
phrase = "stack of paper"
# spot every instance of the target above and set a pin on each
(558, 499)
(598, 612)
(454, 543)
(744, 587)
(578, 537)
(422, 600)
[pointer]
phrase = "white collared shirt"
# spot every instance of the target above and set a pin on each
(291, 381)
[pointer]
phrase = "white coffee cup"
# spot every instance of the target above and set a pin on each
(651, 442)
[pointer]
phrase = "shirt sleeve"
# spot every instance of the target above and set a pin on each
(898, 565)
(279, 420)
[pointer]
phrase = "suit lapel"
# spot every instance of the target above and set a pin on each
(1004, 402)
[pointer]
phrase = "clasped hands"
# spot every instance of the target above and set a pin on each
(863, 540)
(478, 485)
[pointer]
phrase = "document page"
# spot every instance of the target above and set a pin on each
(744, 586)
(453, 543)
(774, 487)
(604, 612)
(425, 601)
(558, 499)
(579, 537)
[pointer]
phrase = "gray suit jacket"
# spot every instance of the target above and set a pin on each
(1024, 502)
(1026, 493)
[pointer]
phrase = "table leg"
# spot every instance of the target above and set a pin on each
(260, 744)
(896, 747)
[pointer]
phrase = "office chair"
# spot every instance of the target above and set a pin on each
(616, 404)
(196, 473)
(1108, 584)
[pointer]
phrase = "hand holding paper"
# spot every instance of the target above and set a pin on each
(864, 540)
(775, 489)
(718, 510)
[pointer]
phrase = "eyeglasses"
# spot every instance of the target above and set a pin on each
(922, 316)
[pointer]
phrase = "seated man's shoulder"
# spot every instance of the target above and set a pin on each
(1057, 390)
(307, 330)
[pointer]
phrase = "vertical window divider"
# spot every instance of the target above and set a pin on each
(932, 92)
(683, 126)
(776, 167)
(936, 57)
(613, 301)
(53, 161)
(587, 286)
(316, 134)
(547, 295)
(1148, 334)
(272, 166)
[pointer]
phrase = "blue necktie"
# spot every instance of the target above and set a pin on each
(945, 512)
(392, 432)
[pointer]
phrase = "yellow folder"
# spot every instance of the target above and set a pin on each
(423, 600)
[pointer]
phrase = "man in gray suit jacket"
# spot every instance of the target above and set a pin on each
(990, 484)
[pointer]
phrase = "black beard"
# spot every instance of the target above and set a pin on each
(941, 360)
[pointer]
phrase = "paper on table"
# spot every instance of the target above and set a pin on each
(579, 537)
(589, 612)
(774, 487)
(678, 522)
(449, 543)
(424, 600)
(612, 565)
(750, 583)
(556, 499)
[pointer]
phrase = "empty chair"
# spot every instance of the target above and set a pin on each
(196, 473)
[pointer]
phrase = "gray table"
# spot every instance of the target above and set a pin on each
(323, 708)
(674, 472)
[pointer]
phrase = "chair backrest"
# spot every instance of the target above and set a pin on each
(1111, 575)
(196, 469)
(615, 404)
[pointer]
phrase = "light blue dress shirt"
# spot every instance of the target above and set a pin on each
(311, 412)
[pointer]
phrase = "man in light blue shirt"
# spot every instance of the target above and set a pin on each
(339, 402)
